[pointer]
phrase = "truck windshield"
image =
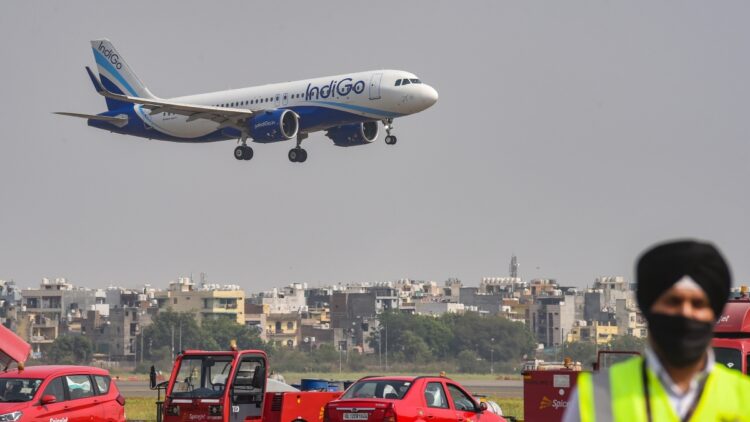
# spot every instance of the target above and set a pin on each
(202, 376)
(18, 389)
(731, 358)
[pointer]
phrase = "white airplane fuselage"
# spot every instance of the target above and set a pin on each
(321, 103)
(348, 107)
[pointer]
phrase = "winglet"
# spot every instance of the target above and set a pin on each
(97, 83)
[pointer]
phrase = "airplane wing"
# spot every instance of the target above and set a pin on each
(227, 117)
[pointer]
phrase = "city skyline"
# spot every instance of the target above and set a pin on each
(572, 135)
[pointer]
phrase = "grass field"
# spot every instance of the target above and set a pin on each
(510, 406)
(140, 409)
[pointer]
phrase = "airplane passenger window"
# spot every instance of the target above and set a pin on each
(406, 82)
(398, 82)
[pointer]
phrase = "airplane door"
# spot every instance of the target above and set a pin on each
(285, 99)
(375, 86)
(277, 100)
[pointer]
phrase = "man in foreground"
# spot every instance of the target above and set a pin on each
(682, 289)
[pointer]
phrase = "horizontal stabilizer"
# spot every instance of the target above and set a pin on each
(118, 121)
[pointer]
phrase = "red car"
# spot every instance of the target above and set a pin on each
(60, 394)
(407, 399)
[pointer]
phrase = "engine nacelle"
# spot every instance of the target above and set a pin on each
(274, 126)
(354, 134)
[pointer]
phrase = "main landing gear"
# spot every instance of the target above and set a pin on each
(243, 152)
(388, 125)
(297, 154)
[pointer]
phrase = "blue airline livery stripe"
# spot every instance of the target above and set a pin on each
(102, 61)
(360, 108)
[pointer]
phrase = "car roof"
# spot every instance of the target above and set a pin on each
(43, 371)
(401, 378)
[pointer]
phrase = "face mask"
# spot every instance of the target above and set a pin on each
(681, 341)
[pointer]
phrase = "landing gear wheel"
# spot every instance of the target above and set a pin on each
(297, 155)
(243, 152)
(390, 140)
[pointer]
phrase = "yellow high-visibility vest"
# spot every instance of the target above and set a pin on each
(618, 395)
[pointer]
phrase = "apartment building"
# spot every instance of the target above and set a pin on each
(208, 301)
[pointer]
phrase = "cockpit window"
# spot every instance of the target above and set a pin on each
(398, 82)
(415, 81)
(405, 82)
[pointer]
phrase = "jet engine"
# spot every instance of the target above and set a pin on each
(274, 125)
(354, 134)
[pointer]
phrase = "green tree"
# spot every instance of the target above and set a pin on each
(469, 362)
(223, 330)
(628, 343)
(414, 348)
(581, 351)
(70, 350)
(472, 331)
(181, 327)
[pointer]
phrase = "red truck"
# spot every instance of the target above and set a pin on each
(731, 341)
(232, 386)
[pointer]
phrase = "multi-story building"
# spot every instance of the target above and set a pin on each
(486, 303)
(514, 310)
(284, 329)
(209, 301)
(613, 288)
(552, 317)
(255, 316)
(287, 299)
(592, 333)
(439, 308)
(10, 301)
(504, 286)
(54, 303)
(629, 319)
(452, 290)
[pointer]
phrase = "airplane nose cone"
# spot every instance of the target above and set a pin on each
(430, 96)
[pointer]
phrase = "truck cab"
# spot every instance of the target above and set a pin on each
(216, 386)
(731, 341)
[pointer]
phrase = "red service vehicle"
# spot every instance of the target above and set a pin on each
(731, 341)
(546, 391)
(60, 394)
(231, 386)
(408, 399)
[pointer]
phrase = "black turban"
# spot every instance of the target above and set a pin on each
(665, 264)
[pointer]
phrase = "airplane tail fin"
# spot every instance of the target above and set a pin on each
(116, 75)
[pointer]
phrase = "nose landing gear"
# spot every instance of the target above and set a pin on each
(388, 125)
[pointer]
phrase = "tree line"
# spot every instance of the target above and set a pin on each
(464, 343)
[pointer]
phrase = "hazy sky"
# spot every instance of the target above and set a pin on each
(573, 134)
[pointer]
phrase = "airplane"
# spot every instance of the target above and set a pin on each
(347, 107)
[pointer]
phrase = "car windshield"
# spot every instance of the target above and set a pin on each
(380, 389)
(731, 358)
(202, 376)
(18, 389)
